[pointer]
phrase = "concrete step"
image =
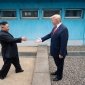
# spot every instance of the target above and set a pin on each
(41, 72)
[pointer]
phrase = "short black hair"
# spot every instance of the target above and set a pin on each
(3, 23)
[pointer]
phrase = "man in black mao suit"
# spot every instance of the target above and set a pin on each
(58, 47)
(9, 50)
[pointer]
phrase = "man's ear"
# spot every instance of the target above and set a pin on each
(2, 26)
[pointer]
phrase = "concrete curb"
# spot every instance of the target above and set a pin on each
(41, 71)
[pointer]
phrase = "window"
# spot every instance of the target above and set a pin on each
(7, 13)
(49, 13)
(29, 13)
(0, 14)
(73, 13)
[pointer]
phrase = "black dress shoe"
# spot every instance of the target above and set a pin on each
(57, 79)
(54, 73)
(19, 71)
(2, 77)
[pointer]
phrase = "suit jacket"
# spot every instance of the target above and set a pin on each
(9, 46)
(59, 41)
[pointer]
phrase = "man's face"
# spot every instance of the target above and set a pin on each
(54, 21)
(5, 27)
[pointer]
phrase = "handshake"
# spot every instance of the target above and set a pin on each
(37, 41)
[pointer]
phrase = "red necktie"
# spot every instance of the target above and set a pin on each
(55, 28)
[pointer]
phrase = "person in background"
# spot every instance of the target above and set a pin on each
(9, 50)
(58, 47)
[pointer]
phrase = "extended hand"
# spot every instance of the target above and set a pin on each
(38, 40)
(24, 39)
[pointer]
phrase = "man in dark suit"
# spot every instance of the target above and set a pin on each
(58, 47)
(9, 50)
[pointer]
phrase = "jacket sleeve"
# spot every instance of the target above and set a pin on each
(63, 42)
(46, 37)
(7, 39)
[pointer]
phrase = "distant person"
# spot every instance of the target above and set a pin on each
(58, 48)
(9, 50)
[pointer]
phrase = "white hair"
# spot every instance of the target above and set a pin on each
(56, 16)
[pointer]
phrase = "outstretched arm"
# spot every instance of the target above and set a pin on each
(7, 39)
(46, 37)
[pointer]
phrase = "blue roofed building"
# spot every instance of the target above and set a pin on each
(30, 18)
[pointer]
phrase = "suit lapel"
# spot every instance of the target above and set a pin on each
(57, 30)
(8, 33)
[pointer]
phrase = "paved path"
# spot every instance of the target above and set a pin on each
(24, 78)
(27, 63)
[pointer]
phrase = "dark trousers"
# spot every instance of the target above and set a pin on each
(7, 65)
(60, 64)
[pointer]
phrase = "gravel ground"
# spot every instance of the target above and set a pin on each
(73, 48)
(74, 71)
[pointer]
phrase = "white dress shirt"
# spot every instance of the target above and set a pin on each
(58, 25)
